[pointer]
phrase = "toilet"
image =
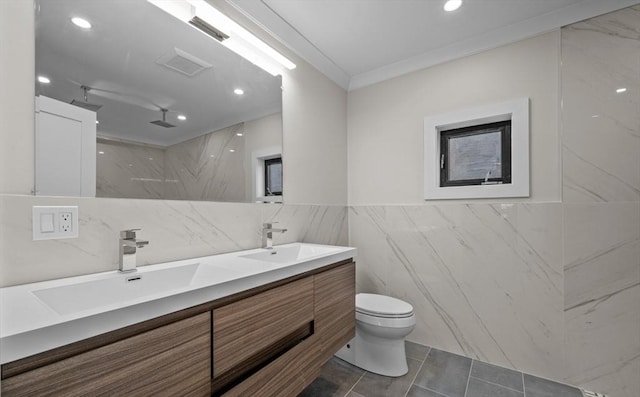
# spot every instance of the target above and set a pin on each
(382, 323)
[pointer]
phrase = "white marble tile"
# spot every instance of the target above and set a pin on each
(127, 170)
(601, 128)
(601, 163)
(368, 233)
(175, 229)
(483, 284)
(602, 250)
(204, 168)
(319, 224)
(602, 284)
(603, 344)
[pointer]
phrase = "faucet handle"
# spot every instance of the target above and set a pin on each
(128, 234)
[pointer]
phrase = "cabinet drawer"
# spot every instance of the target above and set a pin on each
(244, 329)
(167, 361)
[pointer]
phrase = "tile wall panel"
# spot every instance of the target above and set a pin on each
(485, 279)
(601, 187)
(176, 230)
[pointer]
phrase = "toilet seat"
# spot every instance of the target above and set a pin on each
(382, 306)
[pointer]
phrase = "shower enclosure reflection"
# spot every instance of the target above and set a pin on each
(169, 124)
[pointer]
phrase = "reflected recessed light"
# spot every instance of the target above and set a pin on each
(44, 80)
(130, 165)
(621, 90)
(97, 122)
(452, 5)
(238, 91)
(150, 158)
(211, 155)
(81, 23)
(595, 116)
(239, 134)
(232, 150)
(100, 152)
(182, 117)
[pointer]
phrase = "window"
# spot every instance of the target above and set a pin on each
(476, 155)
(273, 177)
(480, 152)
(266, 175)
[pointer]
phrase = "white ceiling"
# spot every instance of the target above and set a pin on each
(361, 42)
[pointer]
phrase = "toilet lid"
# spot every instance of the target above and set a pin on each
(382, 306)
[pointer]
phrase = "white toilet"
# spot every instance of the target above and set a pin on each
(382, 323)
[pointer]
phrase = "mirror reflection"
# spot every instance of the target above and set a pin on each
(177, 115)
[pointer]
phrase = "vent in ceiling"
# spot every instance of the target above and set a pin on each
(183, 62)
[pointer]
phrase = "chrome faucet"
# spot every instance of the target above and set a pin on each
(267, 234)
(128, 247)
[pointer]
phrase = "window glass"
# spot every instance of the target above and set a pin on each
(476, 155)
(273, 177)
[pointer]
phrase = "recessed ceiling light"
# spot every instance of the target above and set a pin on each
(81, 23)
(238, 91)
(211, 155)
(44, 80)
(97, 122)
(182, 117)
(239, 134)
(452, 5)
(232, 150)
(100, 152)
(621, 90)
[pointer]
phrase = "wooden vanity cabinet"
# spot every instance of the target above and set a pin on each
(252, 331)
(268, 341)
(335, 308)
(333, 327)
(173, 360)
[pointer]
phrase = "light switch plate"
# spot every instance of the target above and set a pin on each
(55, 222)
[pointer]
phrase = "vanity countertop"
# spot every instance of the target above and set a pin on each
(41, 316)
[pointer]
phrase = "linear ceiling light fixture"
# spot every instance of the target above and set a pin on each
(215, 24)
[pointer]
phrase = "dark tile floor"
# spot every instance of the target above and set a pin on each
(434, 373)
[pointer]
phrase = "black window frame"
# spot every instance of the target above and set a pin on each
(505, 129)
(267, 179)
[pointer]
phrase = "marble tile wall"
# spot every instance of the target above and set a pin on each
(204, 168)
(601, 186)
(175, 229)
(485, 279)
(602, 296)
(129, 170)
(600, 127)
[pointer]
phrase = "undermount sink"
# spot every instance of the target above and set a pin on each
(119, 288)
(294, 253)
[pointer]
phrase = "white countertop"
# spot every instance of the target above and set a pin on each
(29, 326)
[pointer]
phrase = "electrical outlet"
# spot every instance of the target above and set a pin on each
(55, 222)
(66, 224)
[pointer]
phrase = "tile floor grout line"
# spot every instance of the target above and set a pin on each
(417, 373)
(354, 385)
(435, 391)
(466, 388)
(496, 384)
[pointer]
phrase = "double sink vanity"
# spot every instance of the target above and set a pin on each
(256, 322)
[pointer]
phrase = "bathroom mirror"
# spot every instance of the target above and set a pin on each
(179, 116)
